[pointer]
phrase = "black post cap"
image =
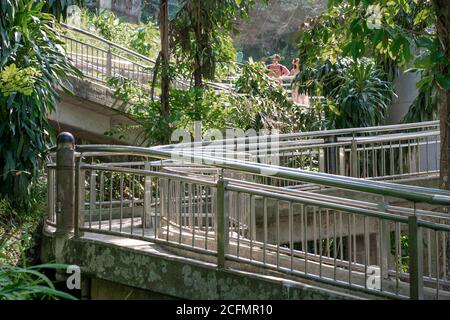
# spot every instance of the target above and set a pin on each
(65, 137)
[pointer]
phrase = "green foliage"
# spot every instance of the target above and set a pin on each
(19, 239)
(201, 31)
(258, 102)
(142, 38)
(17, 80)
(185, 109)
(354, 93)
(262, 103)
(30, 50)
(18, 283)
(394, 33)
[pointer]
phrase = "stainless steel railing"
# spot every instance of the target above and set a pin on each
(385, 152)
(372, 236)
(100, 59)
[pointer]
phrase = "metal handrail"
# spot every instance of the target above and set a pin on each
(109, 43)
(432, 196)
(320, 133)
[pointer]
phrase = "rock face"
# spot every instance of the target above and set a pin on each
(128, 9)
(272, 27)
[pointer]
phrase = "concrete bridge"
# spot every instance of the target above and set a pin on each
(93, 114)
(338, 214)
(344, 214)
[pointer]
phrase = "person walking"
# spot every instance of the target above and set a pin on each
(277, 70)
(301, 99)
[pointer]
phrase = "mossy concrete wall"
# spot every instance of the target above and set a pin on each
(175, 276)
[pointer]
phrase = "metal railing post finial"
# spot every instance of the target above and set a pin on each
(222, 222)
(65, 183)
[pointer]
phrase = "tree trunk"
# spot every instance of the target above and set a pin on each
(442, 9)
(165, 80)
(197, 59)
(198, 81)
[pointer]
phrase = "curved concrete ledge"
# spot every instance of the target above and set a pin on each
(150, 268)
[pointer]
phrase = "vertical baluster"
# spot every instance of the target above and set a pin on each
(349, 243)
(291, 234)
(409, 157)
(398, 261)
(206, 218)
(180, 211)
(111, 200)
(132, 203)
(121, 202)
(167, 208)
(437, 263)
(265, 230)
(238, 216)
(341, 242)
(366, 249)
(400, 156)
(252, 224)
(429, 251)
(320, 241)
(315, 230)
(327, 216)
(334, 245)
(278, 232)
(304, 213)
(102, 195)
(391, 159)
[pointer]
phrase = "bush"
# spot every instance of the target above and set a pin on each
(353, 93)
(32, 66)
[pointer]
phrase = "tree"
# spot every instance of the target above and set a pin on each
(442, 11)
(32, 65)
(165, 80)
(200, 25)
(389, 30)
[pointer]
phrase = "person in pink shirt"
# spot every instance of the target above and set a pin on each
(277, 69)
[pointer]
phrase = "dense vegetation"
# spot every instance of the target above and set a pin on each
(32, 66)
(411, 35)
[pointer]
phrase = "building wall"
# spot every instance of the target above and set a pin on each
(405, 87)
(128, 9)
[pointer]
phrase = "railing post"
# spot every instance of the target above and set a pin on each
(109, 62)
(341, 155)
(146, 214)
(80, 191)
(415, 258)
(51, 194)
(354, 159)
(222, 223)
(321, 160)
(331, 155)
(65, 183)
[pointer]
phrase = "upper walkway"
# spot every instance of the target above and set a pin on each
(338, 208)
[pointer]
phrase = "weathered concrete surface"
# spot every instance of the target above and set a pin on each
(91, 112)
(147, 266)
(100, 289)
